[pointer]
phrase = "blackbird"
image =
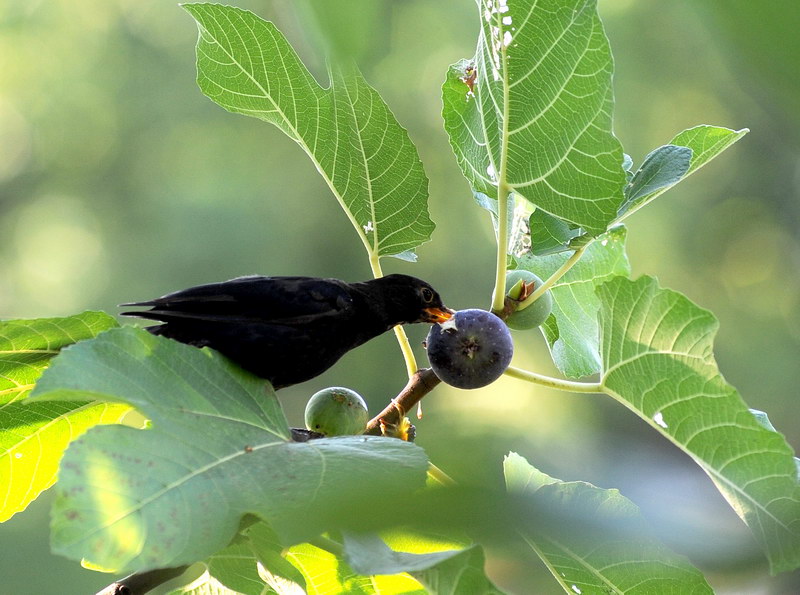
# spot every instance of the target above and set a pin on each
(290, 329)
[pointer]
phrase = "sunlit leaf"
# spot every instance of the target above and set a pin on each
(369, 554)
(275, 570)
(325, 573)
(705, 142)
(236, 567)
(246, 66)
(657, 352)
(662, 168)
(219, 447)
(27, 346)
(440, 570)
(240, 569)
(460, 574)
(572, 331)
(206, 584)
(33, 436)
(614, 552)
(541, 80)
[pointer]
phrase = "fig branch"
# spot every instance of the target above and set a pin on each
(420, 384)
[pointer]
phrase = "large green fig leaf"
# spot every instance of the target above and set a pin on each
(534, 107)
(218, 447)
(33, 436)
(657, 353)
(246, 66)
(612, 552)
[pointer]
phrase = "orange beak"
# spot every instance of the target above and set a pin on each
(438, 314)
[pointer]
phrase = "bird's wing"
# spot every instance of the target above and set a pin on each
(276, 300)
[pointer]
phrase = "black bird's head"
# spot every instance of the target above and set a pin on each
(406, 299)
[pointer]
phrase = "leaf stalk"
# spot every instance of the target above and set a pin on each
(498, 297)
(328, 545)
(554, 278)
(440, 476)
(557, 383)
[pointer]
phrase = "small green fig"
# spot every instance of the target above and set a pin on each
(536, 313)
(336, 411)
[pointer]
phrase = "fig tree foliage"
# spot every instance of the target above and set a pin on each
(168, 455)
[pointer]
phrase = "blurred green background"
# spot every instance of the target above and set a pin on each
(119, 181)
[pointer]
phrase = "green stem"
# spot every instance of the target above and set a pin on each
(499, 295)
(553, 279)
(402, 338)
(568, 385)
(440, 476)
(328, 545)
(405, 347)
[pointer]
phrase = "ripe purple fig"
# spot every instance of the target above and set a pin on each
(470, 350)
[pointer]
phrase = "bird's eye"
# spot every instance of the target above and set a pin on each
(427, 294)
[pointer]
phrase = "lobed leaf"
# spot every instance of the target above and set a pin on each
(572, 330)
(606, 547)
(33, 436)
(658, 361)
(247, 66)
(218, 447)
(539, 86)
